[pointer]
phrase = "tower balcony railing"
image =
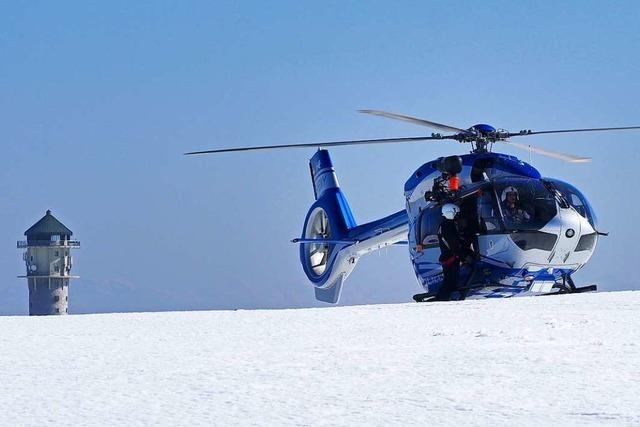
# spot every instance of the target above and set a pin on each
(44, 243)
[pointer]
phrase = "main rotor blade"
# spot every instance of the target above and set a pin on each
(549, 153)
(415, 120)
(324, 144)
(541, 132)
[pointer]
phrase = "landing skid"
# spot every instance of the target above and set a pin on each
(566, 286)
(426, 297)
(576, 290)
(589, 288)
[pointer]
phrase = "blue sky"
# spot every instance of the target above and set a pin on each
(99, 100)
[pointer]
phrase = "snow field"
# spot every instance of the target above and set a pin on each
(564, 360)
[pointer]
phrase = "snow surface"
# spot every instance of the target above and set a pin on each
(570, 360)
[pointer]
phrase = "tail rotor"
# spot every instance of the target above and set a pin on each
(318, 229)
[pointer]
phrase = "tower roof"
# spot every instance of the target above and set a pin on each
(48, 225)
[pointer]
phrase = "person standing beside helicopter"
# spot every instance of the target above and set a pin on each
(451, 251)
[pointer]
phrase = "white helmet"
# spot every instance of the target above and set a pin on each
(509, 189)
(450, 210)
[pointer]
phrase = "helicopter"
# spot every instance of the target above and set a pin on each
(535, 253)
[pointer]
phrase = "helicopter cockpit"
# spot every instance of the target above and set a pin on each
(506, 205)
(521, 204)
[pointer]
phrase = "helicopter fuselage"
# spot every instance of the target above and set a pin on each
(552, 235)
(534, 251)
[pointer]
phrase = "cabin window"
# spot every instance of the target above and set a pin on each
(481, 169)
(525, 203)
(427, 231)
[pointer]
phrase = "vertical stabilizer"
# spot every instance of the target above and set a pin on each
(328, 221)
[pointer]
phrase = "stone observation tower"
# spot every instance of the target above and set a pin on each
(48, 260)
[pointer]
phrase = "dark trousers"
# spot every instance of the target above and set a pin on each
(451, 273)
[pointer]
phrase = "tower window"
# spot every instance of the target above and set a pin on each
(56, 268)
(57, 310)
(56, 253)
(56, 298)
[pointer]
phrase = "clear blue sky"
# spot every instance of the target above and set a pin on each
(99, 99)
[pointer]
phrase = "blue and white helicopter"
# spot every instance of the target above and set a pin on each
(534, 254)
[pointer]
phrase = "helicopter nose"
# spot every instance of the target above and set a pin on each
(568, 235)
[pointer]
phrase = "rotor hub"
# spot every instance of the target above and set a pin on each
(482, 136)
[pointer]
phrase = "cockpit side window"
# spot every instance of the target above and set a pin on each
(525, 203)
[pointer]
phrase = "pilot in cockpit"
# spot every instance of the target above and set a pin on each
(511, 208)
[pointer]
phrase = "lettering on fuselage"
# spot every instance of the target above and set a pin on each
(433, 280)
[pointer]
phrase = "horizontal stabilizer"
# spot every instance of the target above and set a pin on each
(337, 242)
(326, 241)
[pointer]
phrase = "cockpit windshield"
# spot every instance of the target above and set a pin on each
(576, 199)
(525, 203)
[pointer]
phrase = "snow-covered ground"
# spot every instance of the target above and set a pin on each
(549, 360)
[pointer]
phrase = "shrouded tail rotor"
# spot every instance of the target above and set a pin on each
(318, 228)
